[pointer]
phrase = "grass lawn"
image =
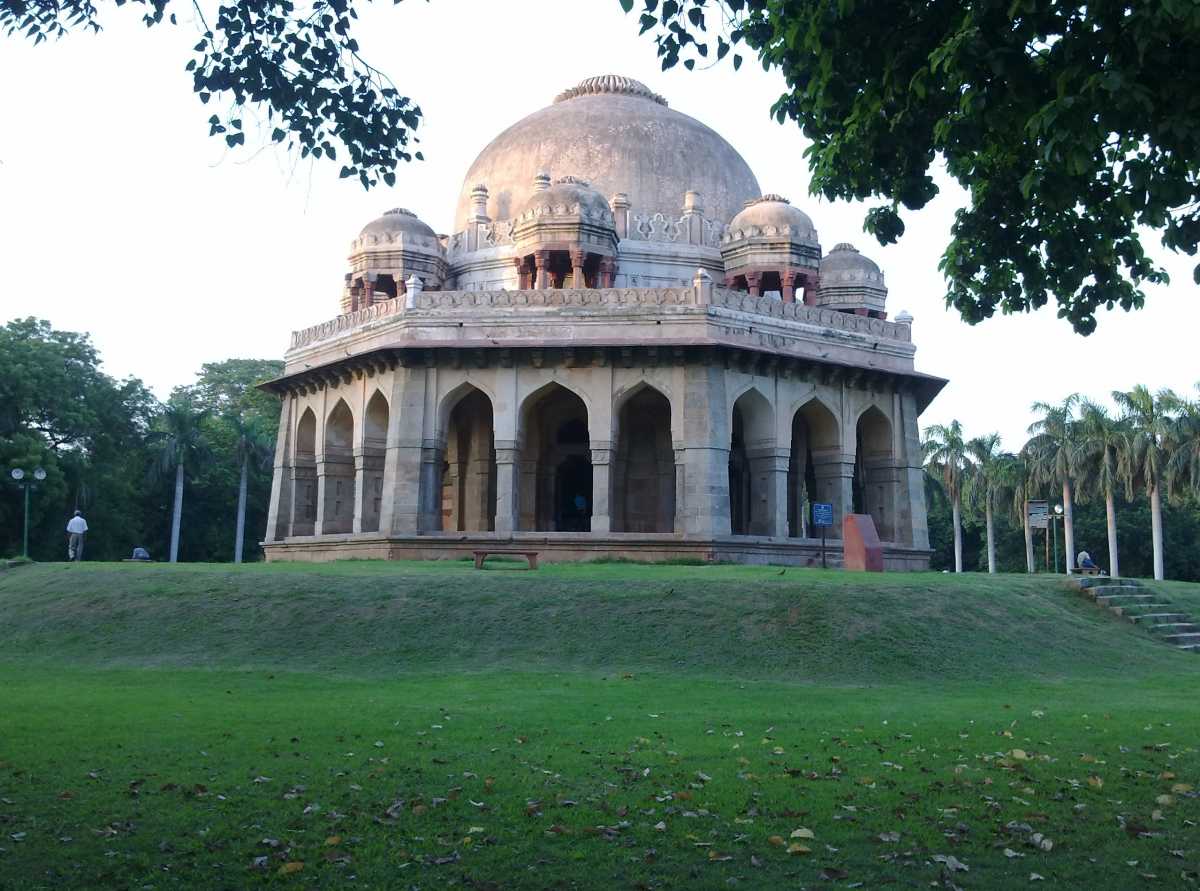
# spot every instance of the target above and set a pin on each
(367, 725)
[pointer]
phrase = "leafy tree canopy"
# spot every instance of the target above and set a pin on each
(1069, 124)
(300, 64)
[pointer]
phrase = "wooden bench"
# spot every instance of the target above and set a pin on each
(1093, 570)
(530, 556)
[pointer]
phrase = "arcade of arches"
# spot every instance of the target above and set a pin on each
(563, 478)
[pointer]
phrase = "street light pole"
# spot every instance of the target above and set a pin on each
(18, 474)
(1057, 518)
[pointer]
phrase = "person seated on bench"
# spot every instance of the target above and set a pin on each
(1086, 563)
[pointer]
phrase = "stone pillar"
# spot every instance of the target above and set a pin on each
(543, 280)
(702, 287)
(754, 283)
(789, 285)
(601, 491)
(369, 282)
(810, 290)
(693, 217)
(577, 259)
(620, 209)
(402, 459)
(834, 471)
(360, 490)
(522, 279)
(608, 271)
(912, 521)
(335, 495)
(680, 485)
(430, 515)
(768, 491)
(279, 508)
(881, 483)
(507, 488)
(479, 200)
(706, 452)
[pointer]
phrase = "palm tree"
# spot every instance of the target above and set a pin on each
(1145, 461)
(1183, 469)
(250, 447)
(1051, 453)
(1020, 484)
(1103, 442)
(946, 461)
(985, 483)
(181, 445)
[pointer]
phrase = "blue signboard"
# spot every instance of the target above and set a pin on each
(822, 514)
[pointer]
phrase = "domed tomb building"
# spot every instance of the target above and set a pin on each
(624, 349)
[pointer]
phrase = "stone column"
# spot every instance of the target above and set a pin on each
(754, 283)
(768, 491)
(706, 452)
(522, 275)
(360, 490)
(432, 458)
(543, 279)
(577, 258)
(402, 459)
(279, 509)
(601, 491)
(912, 521)
(507, 488)
(680, 486)
(834, 471)
(882, 481)
(620, 209)
(789, 285)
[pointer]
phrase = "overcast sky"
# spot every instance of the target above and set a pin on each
(120, 217)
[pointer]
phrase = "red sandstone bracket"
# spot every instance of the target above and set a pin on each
(863, 552)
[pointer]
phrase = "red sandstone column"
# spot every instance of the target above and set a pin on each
(539, 259)
(789, 285)
(754, 283)
(522, 280)
(577, 258)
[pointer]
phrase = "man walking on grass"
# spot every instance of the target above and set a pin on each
(76, 528)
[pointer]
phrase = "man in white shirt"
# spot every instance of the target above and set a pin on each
(76, 527)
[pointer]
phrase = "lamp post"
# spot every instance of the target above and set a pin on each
(23, 480)
(1056, 518)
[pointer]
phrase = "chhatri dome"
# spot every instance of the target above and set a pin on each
(623, 349)
(623, 138)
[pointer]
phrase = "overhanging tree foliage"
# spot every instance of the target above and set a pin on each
(1069, 124)
(298, 63)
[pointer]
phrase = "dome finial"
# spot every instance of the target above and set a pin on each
(610, 83)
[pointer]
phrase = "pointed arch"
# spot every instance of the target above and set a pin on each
(556, 477)
(751, 447)
(304, 475)
(468, 469)
(643, 462)
(876, 477)
(814, 465)
(455, 395)
(336, 472)
(374, 453)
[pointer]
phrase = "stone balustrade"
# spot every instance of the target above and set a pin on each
(425, 302)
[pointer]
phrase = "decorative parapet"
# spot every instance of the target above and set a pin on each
(700, 296)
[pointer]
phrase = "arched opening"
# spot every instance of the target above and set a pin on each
(815, 444)
(751, 452)
(304, 475)
(556, 463)
(335, 471)
(875, 477)
(374, 455)
(469, 467)
(644, 465)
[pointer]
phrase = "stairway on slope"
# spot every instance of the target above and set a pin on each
(1146, 609)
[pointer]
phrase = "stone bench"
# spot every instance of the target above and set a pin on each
(530, 556)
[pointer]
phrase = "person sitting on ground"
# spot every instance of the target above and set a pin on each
(77, 527)
(140, 554)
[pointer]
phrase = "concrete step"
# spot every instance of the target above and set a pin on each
(1088, 583)
(1191, 648)
(1157, 618)
(1188, 638)
(1134, 609)
(1175, 628)
(1124, 599)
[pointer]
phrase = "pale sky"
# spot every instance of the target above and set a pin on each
(120, 217)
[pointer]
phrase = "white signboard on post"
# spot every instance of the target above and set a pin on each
(1038, 513)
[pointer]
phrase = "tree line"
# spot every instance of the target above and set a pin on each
(1140, 463)
(187, 478)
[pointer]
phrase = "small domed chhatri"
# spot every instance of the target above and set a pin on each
(623, 348)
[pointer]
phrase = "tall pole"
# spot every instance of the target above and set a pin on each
(25, 545)
(1056, 549)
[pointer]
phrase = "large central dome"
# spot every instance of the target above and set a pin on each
(620, 136)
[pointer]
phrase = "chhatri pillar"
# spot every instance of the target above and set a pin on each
(543, 278)
(577, 259)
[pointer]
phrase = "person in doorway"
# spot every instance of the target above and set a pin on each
(77, 528)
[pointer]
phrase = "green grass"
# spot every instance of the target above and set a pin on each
(158, 723)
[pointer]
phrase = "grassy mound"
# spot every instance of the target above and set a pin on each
(384, 619)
